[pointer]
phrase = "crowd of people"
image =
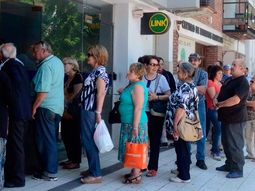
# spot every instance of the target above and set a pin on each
(151, 107)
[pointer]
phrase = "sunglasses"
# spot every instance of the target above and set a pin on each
(152, 64)
(252, 81)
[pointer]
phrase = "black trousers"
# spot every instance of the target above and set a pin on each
(233, 142)
(155, 127)
(70, 132)
(182, 149)
(15, 156)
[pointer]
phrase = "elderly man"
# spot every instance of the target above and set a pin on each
(233, 116)
(48, 108)
(19, 114)
(200, 80)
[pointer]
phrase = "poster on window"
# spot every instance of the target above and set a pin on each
(186, 47)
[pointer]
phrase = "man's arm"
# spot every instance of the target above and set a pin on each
(234, 100)
(250, 104)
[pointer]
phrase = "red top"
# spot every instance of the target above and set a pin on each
(209, 100)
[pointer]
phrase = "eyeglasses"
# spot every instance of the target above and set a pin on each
(154, 65)
(252, 81)
(89, 54)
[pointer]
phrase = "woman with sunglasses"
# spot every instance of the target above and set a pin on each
(159, 90)
(92, 98)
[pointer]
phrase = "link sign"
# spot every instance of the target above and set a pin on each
(155, 23)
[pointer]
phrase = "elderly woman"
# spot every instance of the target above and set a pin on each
(183, 100)
(93, 94)
(70, 126)
(159, 90)
(133, 100)
(213, 89)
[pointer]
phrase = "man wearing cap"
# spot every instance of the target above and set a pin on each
(200, 80)
(226, 72)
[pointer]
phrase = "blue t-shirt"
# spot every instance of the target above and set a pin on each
(126, 107)
(50, 79)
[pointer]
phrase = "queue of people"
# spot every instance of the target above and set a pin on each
(150, 104)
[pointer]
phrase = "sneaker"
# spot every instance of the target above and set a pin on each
(216, 156)
(174, 171)
(223, 168)
(178, 180)
(201, 164)
(234, 175)
(49, 178)
(38, 176)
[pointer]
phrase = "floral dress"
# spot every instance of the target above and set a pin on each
(185, 97)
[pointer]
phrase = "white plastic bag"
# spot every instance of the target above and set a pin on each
(102, 138)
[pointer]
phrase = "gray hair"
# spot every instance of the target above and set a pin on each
(45, 45)
(73, 62)
(8, 50)
(188, 68)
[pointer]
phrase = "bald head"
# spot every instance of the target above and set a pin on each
(238, 67)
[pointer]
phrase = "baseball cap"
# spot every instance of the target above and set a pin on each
(227, 67)
(194, 56)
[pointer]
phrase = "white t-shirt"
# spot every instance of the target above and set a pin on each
(162, 87)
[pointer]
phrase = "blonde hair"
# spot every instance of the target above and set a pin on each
(100, 53)
(73, 62)
(138, 69)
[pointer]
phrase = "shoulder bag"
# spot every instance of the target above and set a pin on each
(158, 107)
(190, 130)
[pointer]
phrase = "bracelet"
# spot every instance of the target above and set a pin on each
(97, 112)
(135, 128)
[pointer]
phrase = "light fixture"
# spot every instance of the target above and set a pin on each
(137, 13)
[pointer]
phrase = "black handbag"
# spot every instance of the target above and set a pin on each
(114, 115)
(158, 107)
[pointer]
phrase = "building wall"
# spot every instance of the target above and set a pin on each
(214, 20)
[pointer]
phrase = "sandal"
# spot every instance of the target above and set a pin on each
(151, 173)
(133, 180)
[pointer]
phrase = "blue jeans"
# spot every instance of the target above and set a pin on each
(201, 143)
(47, 123)
(212, 116)
(88, 122)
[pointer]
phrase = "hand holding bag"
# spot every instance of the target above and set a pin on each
(136, 155)
(190, 130)
(102, 138)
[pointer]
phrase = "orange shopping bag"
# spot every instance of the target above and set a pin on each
(136, 155)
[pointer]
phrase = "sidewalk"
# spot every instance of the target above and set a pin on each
(201, 180)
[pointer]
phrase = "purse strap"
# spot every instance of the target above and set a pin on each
(157, 82)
